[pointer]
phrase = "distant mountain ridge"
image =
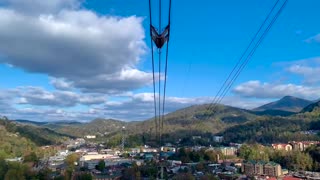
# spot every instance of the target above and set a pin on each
(197, 118)
(265, 126)
(287, 103)
(96, 126)
(314, 107)
(38, 134)
(41, 123)
(23, 121)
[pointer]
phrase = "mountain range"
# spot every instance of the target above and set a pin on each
(199, 119)
(287, 103)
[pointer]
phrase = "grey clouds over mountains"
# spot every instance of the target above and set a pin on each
(93, 64)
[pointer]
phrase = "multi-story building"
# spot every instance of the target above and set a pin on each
(248, 168)
(261, 168)
(272, 169)
(287, 147)
(302, 145)
(258, 167)
(228, 151)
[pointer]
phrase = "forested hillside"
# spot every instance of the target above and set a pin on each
(17, 139)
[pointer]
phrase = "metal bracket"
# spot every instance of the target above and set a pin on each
(160, 39)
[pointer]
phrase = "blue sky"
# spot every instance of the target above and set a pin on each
(75, 60)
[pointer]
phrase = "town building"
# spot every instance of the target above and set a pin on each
(88, 157)
(251, 168)
(217, 138)
(110, 151)
(228, 151)
(286, 147)
(196, 137)
(168, 149)
(149, 150)
(90, 136)
(302, 145)
(272, 169)
(16, 159)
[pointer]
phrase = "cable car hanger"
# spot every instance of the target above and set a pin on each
(160, 38)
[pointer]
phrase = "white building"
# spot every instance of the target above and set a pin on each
(217, 138)
(90, 136)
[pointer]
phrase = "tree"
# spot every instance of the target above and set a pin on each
(32, 157)
(302, 160)
(71, 159)
(101, 165)
(59, 178)
(14, 174)
(210, 155)
(184, 176)
(183, 155)
(16, 171)
(131, 173)
(244, 151)
(209, 177)
(3, 168)
(314, 152)
(294, 160)
(148, 170)
(254, 152)
(200, 167)
(85, 176)
(44, 173)
(194, 156)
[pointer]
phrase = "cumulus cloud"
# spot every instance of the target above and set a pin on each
(41, 6)
(80, 51)
(61, 84)
(37, 96)
(117, 83)
(140, 106)
(309, 69)
(242, 102)
(51, 114)
(6, 99)
(258, 89)
(93, 53)
(40, 104)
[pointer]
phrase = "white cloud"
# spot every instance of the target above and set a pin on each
(37, 96)
(51, 114)
(309, 69)
(79, 50)
(61, 84)
(117, 83)
(258, 89)
(141, 106)
(6, 99)
(76, 46)
(242, 102)
(41, 6)
(39, 103)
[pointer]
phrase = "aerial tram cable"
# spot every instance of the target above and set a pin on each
(228, 83)
(166, 72)
(248, 58)
(159, 77)
(153, 76)
(159, 38)
(243, 54)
